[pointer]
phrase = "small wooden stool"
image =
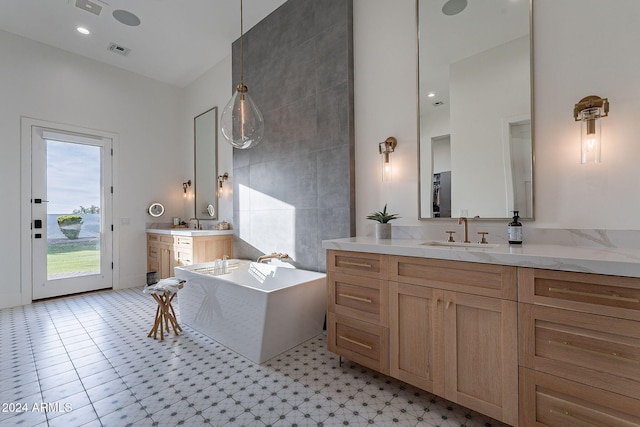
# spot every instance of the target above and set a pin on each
(165, 314)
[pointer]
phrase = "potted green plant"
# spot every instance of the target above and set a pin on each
(70, 225)
(383, 227)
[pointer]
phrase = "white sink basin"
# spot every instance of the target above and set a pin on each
(460, 244)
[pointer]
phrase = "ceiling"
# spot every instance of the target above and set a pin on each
(176, 41)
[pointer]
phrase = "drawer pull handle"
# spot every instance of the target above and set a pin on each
(368, 300)
(592, 294)
(448, 304)
(613, 355)
(356, 264)
(368, 347)
(567, 415)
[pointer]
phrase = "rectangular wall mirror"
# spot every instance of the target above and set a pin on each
(205, 131)
(475, 139)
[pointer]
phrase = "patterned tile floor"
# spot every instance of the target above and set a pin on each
(86, 361)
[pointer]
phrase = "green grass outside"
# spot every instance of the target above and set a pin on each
(73, 257)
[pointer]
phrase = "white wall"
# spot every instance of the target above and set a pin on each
(384, 49)
(581, 47)
(44, 83)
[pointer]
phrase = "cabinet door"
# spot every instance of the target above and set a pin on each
(210, 248)
(415, 323)
(480, 353)
(165, 263)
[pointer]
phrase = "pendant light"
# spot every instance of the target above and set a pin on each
(241, 122)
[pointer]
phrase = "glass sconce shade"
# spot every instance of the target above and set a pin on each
(241, 121)
(385, 148)
(589, 110)
(387, 167)
(590, 136)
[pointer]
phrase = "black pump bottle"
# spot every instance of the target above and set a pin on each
(515, 230)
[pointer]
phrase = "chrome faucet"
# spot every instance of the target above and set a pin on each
(197, 222)
(466, 228)
(273, 255)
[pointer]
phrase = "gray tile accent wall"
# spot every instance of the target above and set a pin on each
(298, 66)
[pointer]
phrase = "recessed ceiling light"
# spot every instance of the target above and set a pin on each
(83, 30)
(431, 94)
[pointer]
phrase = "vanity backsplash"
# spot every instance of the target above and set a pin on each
(497, 233)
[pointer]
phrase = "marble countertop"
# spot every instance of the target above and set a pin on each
(188, 232)
(612, 261)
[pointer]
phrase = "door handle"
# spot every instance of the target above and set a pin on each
(37, 223)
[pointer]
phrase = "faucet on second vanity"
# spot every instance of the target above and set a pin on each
(197, 222)
(466, 228)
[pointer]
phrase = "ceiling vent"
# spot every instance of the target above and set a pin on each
(89, 6)
(124, 51)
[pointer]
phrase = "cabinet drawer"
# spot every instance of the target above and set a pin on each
(361, 342)
(597, 350)
(153, 237)
(594, 293)
(359, 297)
(183, 257)
(480, 279)
(183, 241)
(357, 263)
(546, 400)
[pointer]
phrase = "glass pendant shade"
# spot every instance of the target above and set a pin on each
(241, 121)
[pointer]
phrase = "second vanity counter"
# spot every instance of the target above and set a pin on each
(188, 232)
(610, 261)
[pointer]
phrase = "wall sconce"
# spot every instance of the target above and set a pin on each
(385, 148)
(186, 185)
(589, 110)
(222, 178)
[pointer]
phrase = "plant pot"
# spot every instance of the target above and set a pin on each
(71, 231)
(383, 230)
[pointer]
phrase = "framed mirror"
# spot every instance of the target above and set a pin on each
(475, 139)
(205, 131)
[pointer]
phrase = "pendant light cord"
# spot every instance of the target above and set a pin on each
(241, 46)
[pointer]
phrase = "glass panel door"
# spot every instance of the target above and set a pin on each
(70, 208)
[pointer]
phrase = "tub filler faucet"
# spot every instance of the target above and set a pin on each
(273, 255)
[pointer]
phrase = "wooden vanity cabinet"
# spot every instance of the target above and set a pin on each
(453, 333)
(447, 327)
(579, 349)
(529, 347)
(164, 251)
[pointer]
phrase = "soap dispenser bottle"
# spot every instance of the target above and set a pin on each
(515, 230)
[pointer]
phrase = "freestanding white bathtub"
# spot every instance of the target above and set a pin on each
(257, 310)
